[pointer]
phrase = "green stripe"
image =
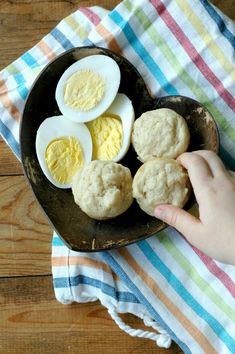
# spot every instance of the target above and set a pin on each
(37, 70)
(12, 69)
(180, 71)
(224, 124)
(195, 276)
(206, 36)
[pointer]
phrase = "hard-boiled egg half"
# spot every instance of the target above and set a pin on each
(88, 87)
(85, 93)
(62, 148)
(111, 132)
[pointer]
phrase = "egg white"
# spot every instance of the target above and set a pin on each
(55, 127)
(123, 108)
(109, 71)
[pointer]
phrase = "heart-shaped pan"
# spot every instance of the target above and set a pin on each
(77, 230)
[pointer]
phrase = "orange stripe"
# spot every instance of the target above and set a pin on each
(6, 102)
(83, 261)
(59, 261)
(194, 332)
(45, 49)
(109, 39)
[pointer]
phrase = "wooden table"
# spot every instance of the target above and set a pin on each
(31, 320)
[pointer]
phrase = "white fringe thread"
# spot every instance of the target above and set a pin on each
(162, 338)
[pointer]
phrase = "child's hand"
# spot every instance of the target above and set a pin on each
(214, 188)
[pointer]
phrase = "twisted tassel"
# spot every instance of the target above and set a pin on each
(162, 339)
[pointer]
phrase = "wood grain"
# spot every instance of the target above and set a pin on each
(25, 235)
(9, 165)
(24, 23)
(31, 320)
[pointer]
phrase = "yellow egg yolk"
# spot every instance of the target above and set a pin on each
(64, 156)
(84, 90)
(106, 133)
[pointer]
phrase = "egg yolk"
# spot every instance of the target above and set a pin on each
(84, 90)
(107, 134)
(64, 156)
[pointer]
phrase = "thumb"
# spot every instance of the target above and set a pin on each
(174, 216)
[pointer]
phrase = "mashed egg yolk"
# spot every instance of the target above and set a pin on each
(106, 133)
(64, 156)
(84, 90)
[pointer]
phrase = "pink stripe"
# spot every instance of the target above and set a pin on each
(193, 54)
(216, 271)
(92, 16)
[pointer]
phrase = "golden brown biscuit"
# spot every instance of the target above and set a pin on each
(103, 189)
(160, 133)
(160, 181)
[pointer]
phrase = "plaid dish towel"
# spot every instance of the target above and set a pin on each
(184, 47)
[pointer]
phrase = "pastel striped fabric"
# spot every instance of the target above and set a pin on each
(184, 47)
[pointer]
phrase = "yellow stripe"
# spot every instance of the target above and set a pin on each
(76, 27)
(206, 37)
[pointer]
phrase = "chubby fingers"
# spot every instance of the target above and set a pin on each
(199, 171)
(204, 168)
(215, 163)
(181, 220)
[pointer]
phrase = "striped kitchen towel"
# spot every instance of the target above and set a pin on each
(184, 47)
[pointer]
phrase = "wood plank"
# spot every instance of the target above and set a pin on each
(25, 234)
(24, 23)
(33, 322)
(9, 164)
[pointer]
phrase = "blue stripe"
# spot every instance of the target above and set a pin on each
(142, 299)
(61, 38)
(8, 136)
(29, 60)
(61, 282)
(107, 289)
(22, 89)
(219, 21)
(143, 53)
(218, 329)
(56, 241)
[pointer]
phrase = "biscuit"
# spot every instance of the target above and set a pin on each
(160, 133)
(160, 181)
(103, 189)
